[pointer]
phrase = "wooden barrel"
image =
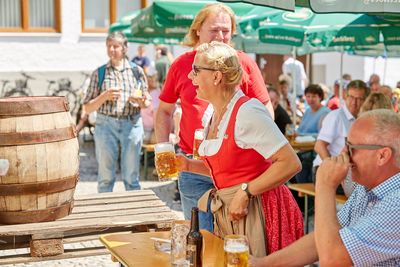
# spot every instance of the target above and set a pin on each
(38, 138)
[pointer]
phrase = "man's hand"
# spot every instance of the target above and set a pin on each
(182, 162)
(112, 94)
(333, 170)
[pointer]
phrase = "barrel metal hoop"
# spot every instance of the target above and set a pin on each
(45, 187)
(66, 104)
(32, 106)
(32, 216)
(38, 137)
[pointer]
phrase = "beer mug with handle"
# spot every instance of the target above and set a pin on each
(165, 161)
(236, 251)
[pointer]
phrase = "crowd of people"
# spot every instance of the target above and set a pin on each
(246, 160)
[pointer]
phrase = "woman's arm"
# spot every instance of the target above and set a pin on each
(285, 164)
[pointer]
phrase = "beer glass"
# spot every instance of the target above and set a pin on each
(165, 161)
(236, 251)
(198, 138)
(290, 132)
(179, 232)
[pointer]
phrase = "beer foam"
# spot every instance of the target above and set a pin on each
(164, 147)
(236, 248)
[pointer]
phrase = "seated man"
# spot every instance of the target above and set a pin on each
(366, 231)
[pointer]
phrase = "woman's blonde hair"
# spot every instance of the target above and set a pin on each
(224, 58)
(191, 38)
(376, 101)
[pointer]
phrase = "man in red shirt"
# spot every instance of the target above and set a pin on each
(334, 101)
(215, 22)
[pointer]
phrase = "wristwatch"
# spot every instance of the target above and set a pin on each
(245, 188)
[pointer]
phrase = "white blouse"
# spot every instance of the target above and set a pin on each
(254, 128)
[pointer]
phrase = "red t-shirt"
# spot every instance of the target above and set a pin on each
(178, 85)
(333, 103)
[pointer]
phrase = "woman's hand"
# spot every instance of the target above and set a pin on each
(255, 262)
(238, 207)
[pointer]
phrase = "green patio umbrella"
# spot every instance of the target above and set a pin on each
(172, 18)
(337, 30)
(346, 6)
(372, 7)
(280, 4)
(124, 25)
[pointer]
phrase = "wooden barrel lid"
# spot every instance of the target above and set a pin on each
(32, 105)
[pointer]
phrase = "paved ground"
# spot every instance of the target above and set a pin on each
(88, 185)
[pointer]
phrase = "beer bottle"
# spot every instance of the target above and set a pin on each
(194, 248)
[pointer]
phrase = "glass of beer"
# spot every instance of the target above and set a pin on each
(198, 138)
(236, 251)
(165, 161)
(290, 132)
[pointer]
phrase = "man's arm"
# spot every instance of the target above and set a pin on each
(331, 250)
(299, 253)
(94, 104)
(321, 148)
(163, 123)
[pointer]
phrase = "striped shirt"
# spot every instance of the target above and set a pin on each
(114, 79)
(370, 224)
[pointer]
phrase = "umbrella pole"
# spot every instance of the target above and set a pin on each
(384, 71)
(294, 106)
(341, 78)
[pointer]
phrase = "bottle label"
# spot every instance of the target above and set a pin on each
(191, 254)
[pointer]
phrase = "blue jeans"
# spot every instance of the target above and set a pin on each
(191, 187)
(110, 135)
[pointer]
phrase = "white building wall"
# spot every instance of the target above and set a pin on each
(331, 61)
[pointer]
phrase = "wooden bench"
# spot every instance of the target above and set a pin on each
(92, 216)
(308, 190)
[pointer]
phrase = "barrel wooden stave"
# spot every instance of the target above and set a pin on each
(40, 162)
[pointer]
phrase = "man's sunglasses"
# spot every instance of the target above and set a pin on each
(350, 147)
(196, 69)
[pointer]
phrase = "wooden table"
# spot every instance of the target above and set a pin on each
(137, 249)
(92, 215)
(306, 190)
(303, 146)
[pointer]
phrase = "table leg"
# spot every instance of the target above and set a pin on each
(306, 212)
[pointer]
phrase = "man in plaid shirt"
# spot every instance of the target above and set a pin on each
(366, 231)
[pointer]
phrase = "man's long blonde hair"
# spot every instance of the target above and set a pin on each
(191, 38)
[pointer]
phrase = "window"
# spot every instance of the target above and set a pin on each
(30, 16)
(98, 15)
